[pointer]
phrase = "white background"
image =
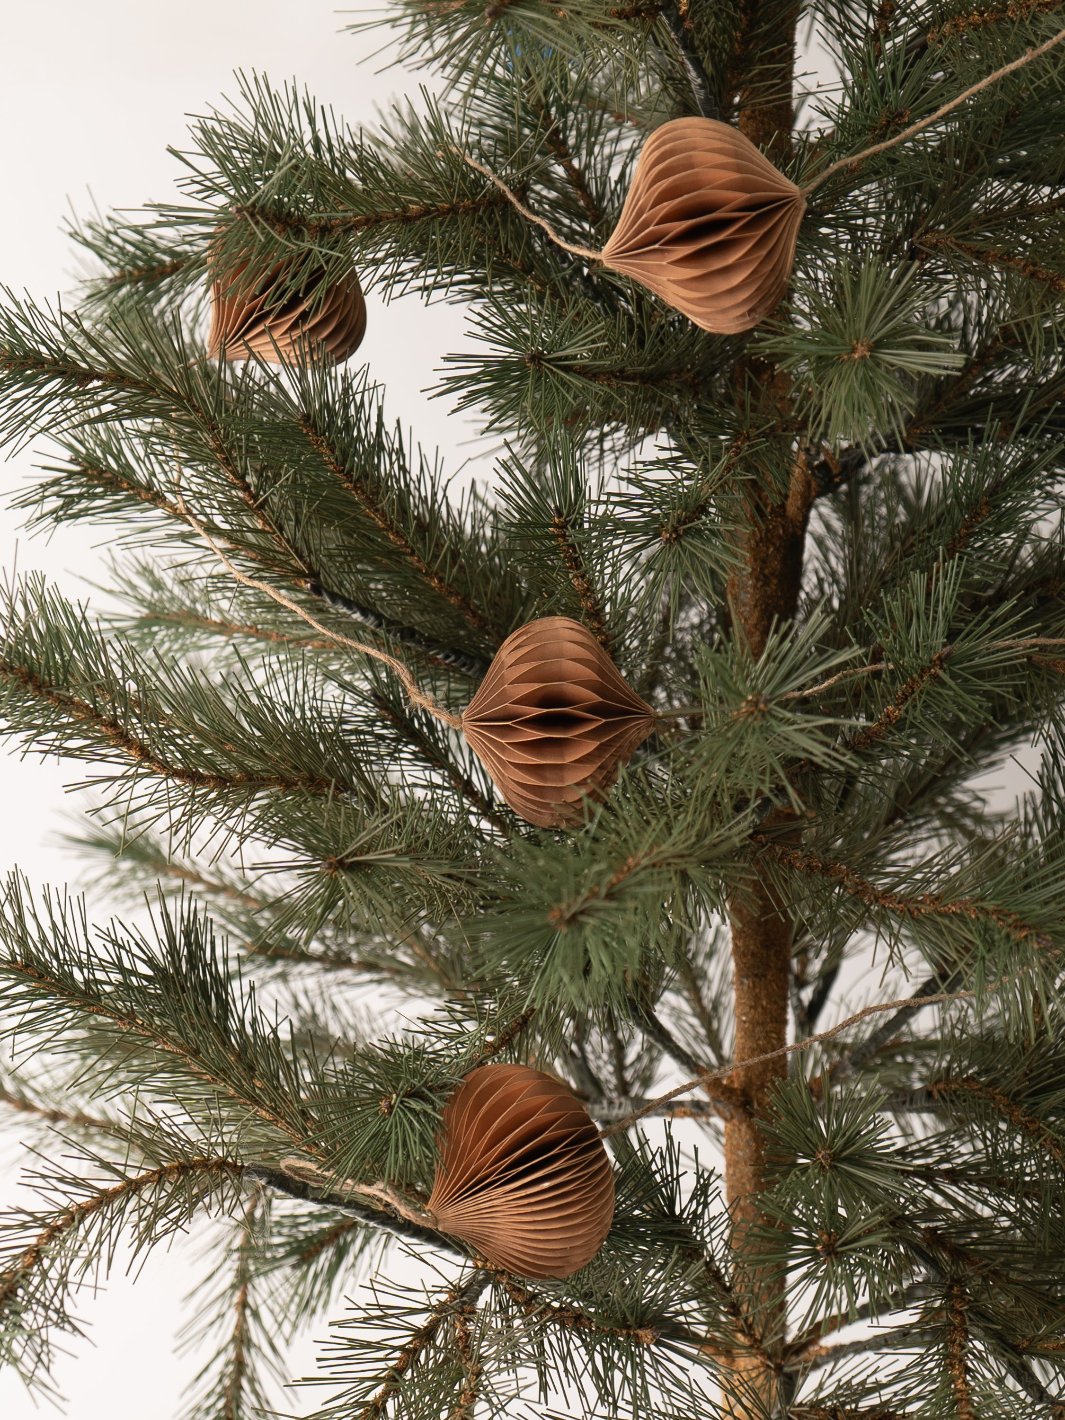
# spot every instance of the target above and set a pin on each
(92, 96)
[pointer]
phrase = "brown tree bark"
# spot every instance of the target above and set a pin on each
(763, 590)
(763, 65)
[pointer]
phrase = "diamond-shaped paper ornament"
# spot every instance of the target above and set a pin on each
(310, 323)
(523, 1175)
(709, 225)
(553, 721)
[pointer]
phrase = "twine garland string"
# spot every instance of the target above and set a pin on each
(590, 254)
(722, 1071)
(415, 694)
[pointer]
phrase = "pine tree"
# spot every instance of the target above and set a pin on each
(827, 552)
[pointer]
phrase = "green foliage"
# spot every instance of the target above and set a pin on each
(87, 1204)
(858, 348)
(344, 917)
(247, 1352)
(841, 1192)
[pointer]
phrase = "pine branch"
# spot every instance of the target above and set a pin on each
(312, 229)
(725, 1098)
(464, 661)
(851, 163)
(228, 630)
(1026, 1123)
(808, 1342)
(882, 1340)
(563, 155)
(544, 1311)
(286, 1181)
(967, 23)
(109, 733)
(52, 969)
(946, 1258)
(574, 563)
(957, 1303)
(417, 696)
(819, 1412)
(20, 1103)
(237, 1378)
(292, 565)
(996, 258)
(260, 925)
(232, 1384)
(694, 995)
(48, 1252)
(70, 1219)
(61, 993)
(452, 1305)
(472, 1368)
(374, 511)
(893, 713)
(914, 909)
(263, 946)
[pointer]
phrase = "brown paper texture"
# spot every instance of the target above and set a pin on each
(247, 319)
(709, 225)
(523, 1175)
(553, 721)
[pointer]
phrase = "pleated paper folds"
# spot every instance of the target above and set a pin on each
(522, 1176)
(553, 721)
(312, 323)
(709, 225)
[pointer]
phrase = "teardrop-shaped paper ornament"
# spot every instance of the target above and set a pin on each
(523, 1175)
(709, 225)
(553, 721)
(310, 323)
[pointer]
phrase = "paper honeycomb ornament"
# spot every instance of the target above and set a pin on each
(553, 721)
(709, 225)
(523, 1175)
(310, 323)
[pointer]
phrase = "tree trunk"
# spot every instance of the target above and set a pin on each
(764, 589)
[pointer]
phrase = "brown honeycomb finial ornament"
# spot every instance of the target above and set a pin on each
(523, 1176)
(553, 721)
(709, 225)
(311, 323)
